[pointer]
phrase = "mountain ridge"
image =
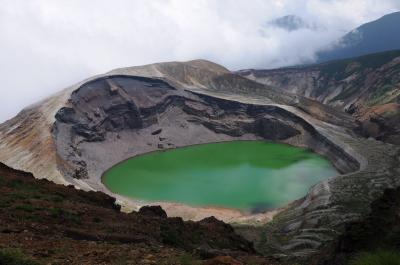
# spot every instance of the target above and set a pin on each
(372, 37)
(368, 87)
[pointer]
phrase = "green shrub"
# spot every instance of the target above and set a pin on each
(63, 214)
(57, 198)
(170, 236)
(56, 212)
(187, 259)
(33, 218)
(25, 208)
(380, 257)
(24, 187)
(120, 261)
(14, 257)
(96, 220)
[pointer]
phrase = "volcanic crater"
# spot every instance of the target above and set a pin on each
(75, 136)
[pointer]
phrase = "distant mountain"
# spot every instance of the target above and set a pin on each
(289, 23)
(376, 36)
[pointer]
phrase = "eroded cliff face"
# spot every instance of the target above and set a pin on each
(73, 137)
(367, 87)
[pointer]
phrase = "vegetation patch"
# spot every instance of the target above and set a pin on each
(371, 61)
(379, 96)
(26, 208)
(24, 186)
(347, 92)
(380, 257)
(14, 257)
(59, 213)
(170, 236)
(187, 259)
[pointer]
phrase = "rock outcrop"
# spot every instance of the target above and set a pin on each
(380, 229)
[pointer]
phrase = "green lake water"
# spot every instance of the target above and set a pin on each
(245, 175)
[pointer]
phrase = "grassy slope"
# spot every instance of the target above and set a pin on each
(54, 224)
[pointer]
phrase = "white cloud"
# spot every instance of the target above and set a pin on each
(46, 45)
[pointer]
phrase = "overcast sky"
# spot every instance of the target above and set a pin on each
(47, 45)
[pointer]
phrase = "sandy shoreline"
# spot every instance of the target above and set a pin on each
(187, 212)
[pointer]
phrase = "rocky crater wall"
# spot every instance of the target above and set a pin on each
(114, 118)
